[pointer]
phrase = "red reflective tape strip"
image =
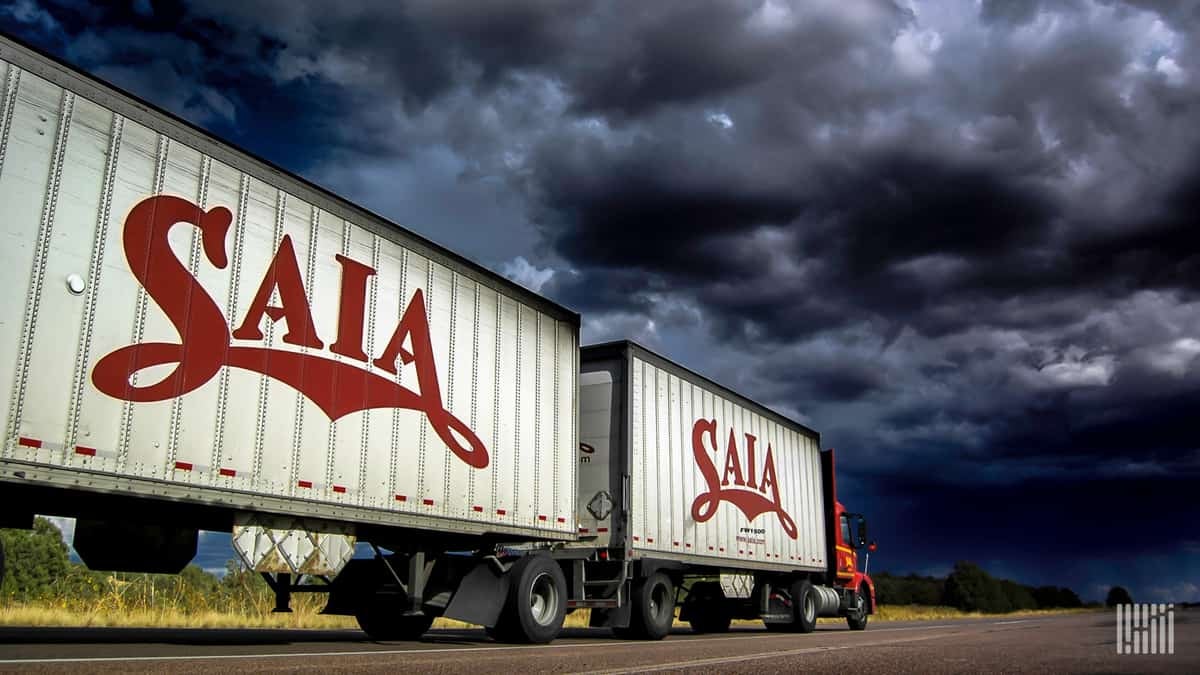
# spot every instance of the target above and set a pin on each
(427, 502)
(710, 548)
(84, 450)
(227, 472)
(401, 498)
(649, 540)
(561, 519)
(688, 545)
(501, 512)
(29, 442)
(722, 549)
(674, 543)
(477, 509)
(542, 518)
(339, 488)
(583, 530)
(183, 466)
(635, 538)
(304, 483)
(740, 551)
(602, 529)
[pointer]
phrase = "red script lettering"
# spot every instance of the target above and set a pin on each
(337, 388)
(751, 497)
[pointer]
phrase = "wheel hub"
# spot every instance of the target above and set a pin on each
(543, 599)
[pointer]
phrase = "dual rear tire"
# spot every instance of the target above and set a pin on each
(804, 607)
(804, 610)
(536, 604)
(652, 609)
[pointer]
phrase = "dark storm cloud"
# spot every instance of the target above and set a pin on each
(958, 238)
(632, 209)
(412, 52)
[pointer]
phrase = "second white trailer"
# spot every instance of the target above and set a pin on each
(685, 484)
(710, 476)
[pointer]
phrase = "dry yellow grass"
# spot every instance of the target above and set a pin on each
(926, 613)
(165, 617)
(307, 616)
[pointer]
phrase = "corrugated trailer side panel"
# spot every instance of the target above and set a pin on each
(72, 171)
(718, 481)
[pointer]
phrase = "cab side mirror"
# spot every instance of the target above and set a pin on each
(862, 531)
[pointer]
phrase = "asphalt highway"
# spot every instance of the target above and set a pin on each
(1084, 643)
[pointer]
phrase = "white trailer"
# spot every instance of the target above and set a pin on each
(193, 339)
(685, 483)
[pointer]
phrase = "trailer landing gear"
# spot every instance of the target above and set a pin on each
(383, 618)
(705, 608)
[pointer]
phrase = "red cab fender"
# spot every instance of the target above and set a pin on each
(861, 580)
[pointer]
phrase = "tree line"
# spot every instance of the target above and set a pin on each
(969, 588)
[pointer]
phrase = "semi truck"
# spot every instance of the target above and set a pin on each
(196, 339)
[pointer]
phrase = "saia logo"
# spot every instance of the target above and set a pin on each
(337, 388)
(741, 485)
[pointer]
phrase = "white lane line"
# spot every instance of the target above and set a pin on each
(1003, 623)
(461, 650)
(725, 660)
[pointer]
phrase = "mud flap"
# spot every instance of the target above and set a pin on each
(480, 596)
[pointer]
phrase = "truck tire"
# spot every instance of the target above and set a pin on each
(856, 617)
(804, 607)
(536, 603)
(382, 618)
(706, 608)
(652, 609)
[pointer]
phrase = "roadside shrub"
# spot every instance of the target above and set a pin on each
(1117, 595)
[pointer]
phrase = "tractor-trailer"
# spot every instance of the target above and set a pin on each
(705, 497)
(194, 339)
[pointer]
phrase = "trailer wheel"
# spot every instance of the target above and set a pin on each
(382, 619)
(856, 617)
(652, 610)
(707, 611)
(804, 607)
(536, 604)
